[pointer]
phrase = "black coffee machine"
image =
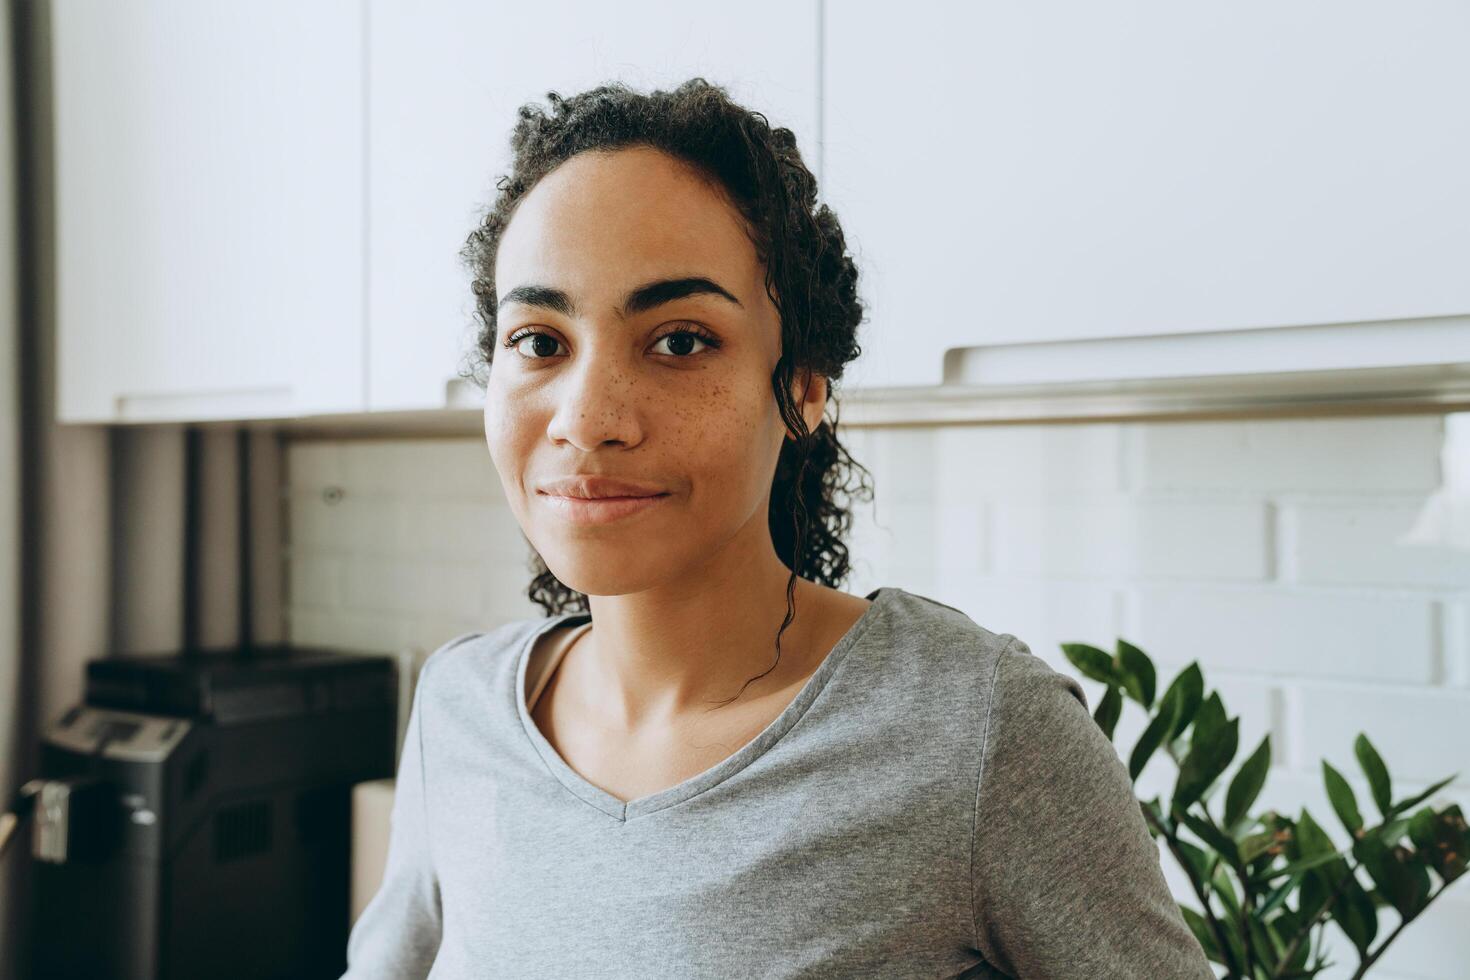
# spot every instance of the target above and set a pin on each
(193, 818)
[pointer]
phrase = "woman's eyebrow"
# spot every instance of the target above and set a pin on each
(640, 299)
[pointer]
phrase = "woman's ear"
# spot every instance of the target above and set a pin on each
(809, 392)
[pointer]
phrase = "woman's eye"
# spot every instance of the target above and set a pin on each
(545, 346)
(680, 347)
(548, 348)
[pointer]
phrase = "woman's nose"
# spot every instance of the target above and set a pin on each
(596, 402)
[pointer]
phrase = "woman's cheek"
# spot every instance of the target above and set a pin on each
(504, 432)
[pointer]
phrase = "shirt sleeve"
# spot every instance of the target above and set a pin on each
(1067, 879)
(397, 934)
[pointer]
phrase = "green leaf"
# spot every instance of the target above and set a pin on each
(1279, 894)
(1400, 874)
(1198, 861)
(1353, 909)
(1201, 930)
(1415, 800)
(1343, 799)
(1246, 785)
(1232, 936)
(1285, 927)
(1443, 839)
(1313, 896)
(1189, 688)
(1154, 807)
(1209, 755)
(1297, 867)
(1390, 832)
(1210, 719)
(1139, 669)
(1210, 834)
(1267, 947)
(1158, 727)
(1108, 711)
(1092, 662)
(1376, 772)
(1421, 828)
(1221, 884)
(1255, 845)
(1311, 839)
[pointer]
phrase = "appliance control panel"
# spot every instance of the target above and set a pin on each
(125, 735)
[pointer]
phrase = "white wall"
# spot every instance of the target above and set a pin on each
(1263, 548)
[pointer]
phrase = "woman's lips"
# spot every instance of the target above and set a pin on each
(600, 510)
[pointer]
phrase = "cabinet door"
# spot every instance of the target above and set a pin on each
(209, 195)
(446, 80)
(1014, 172)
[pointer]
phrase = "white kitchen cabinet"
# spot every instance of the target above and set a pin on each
(1012, 173)
(210, 208)
(445, 82)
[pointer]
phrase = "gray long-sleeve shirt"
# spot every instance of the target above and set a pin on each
(936, 802)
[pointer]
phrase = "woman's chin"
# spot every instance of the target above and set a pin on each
(604, 575)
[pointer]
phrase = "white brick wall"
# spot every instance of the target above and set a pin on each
(1265, 549)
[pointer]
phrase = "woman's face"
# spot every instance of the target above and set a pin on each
(669, 386)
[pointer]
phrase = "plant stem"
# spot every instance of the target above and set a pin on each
(1306, 928)
(1199, 892)
(1373, 957)
(1247, 903)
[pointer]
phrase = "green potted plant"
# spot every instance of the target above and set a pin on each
(1268, 885)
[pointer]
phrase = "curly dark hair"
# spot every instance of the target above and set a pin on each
(801, 245)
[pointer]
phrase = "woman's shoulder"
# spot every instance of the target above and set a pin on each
(940, 668)
(474, 653)
(949, 639)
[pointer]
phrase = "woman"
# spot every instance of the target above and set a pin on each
(638, 785)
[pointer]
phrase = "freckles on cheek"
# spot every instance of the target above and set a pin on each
(709, 416)
(732, 418)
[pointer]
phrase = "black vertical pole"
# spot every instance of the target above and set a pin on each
(247, 563)
(192, 478)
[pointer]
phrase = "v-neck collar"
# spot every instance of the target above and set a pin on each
(748, 753)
